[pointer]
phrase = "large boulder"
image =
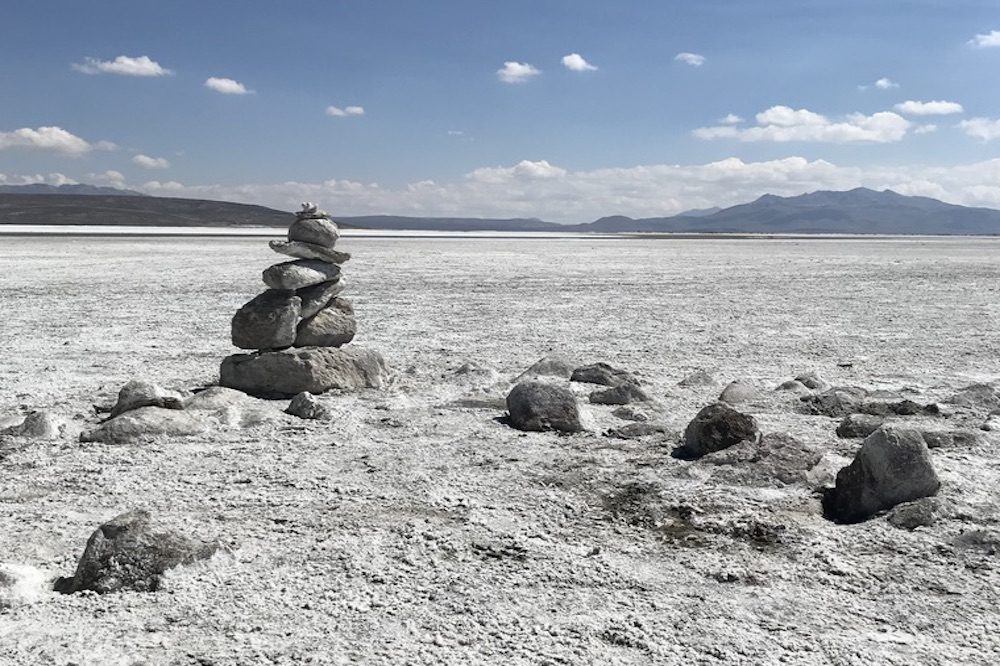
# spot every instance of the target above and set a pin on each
(299, 274)
(859, 425)
(309, 251)
(553, 365)
(601, 373)
(315, 230)
(716, 427)
(318, 296)
(267, 321)
(623, 394)
(146, 422)
(330, 327)
(131, 552)
(314, 369)
(892, 466)
(139, 393)
(537, 405)
(738, 392)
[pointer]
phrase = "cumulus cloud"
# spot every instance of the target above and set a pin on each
(226, 86)
(34, 179)
(123, 65)
(147, 162)
(925, 129)
(577, 63)
(881, 84)
(984, 129)
(338, 112)
(693, 59)
(51, 139)
(517, 72)
(987, 40)
(730, 119)
(109, 177)
(783, 124)
(935, 108)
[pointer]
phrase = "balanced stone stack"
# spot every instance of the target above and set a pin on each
(298, 327)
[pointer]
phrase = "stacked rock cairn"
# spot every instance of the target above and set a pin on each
(298, 327)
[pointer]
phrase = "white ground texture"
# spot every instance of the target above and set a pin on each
(416, 528)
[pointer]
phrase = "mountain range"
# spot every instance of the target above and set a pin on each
(857, 211)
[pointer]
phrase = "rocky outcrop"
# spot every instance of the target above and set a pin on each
(535, 405)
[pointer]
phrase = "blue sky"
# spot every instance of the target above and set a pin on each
(424, 120)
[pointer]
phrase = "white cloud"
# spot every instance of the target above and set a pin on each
(516, 72)
(52, 139)
(730, 119)
(577, 63)
(693, 59)
(935, 108)
(33, 179)
(783, 124)
(925, 129)
(984, 129)
(123, 65)
(338, 112)
(109, 177)
(147, 162)
(885, 84)
(990, 39)
(226, 86)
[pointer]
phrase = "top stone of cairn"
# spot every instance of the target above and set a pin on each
(314, 226)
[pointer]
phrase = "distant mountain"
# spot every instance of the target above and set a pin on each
(90, 190)
(449, 223)
(699, 212)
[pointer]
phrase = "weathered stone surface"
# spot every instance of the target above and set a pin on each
(316, 230)
(887, 407)
(21, 585)
(307, 406)
(139, 393)
(976, 396)
(697, 378)
(793, 386)
(637, 430)
(330, 327)
(813, 381)
(623, 394)
(892, 466)
(777, 459)
(267, 321)
(946, 439)
(299, 274)
(145, 422)
(601, 373)
(552, 366)
(130, 552)
(313, 369)
(859, 425)
(630, 413)
(38, 424)
(318, 296)
(738, 392)
(836, 402)
(716, 427)
(310, 251)
(923, 512)
(231, 407)
(535, 405)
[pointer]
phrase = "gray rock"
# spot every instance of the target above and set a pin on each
(231, 407)
(318, 296)
(836, 402)
(553, 365)
(976, 396)
(887, 407)
(601, 373)
(630, 413)
(777, 459)
(823, 474)
(307, 406)
(316, 230)
(267, 321)
(859, 425)
(892, 466)
(145, 422)
(139, 393)
(310, 251)
(21, 585)
(813, 381)
(738, 392)
(793, 386)
(131, 552)
(716, 427)
(537, 405)
(623, 394)
(313, 369)
(299, 274)
(330, 327)
(923, 512)
(696, 379)
(947, 439)
(38, 424)
(637, 430)
(309, 210)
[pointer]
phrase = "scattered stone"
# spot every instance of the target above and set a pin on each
(777, 459)
(738, 392)
(716, 427)
(630, 413)
(976, 396)
(138, 393)
(129, 552)
(307, 406)
(697, 378)
(313, 369)
(637, 430)
(538, 405)
(330, 327)
(948, 439)
(314, 230)
(623, 394)
(267, 321)
(812, 381)
(923, 512)
(836, 402)
(885, 408)
(302, 250)
(552, 365)
(299, 274)
(231, 407)
(21, 585)
(892, 466)
(38, 424)
(319, 296)
(794, 386)
(145, 422)
(859, 425)
(601, 373)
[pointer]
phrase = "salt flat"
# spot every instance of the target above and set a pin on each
(413, 529)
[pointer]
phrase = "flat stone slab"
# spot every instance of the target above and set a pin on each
(299, 274)
(330, 327)
(316, 230)
(288, 372)
(309, 251)
(267, 321)
(318, 296)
